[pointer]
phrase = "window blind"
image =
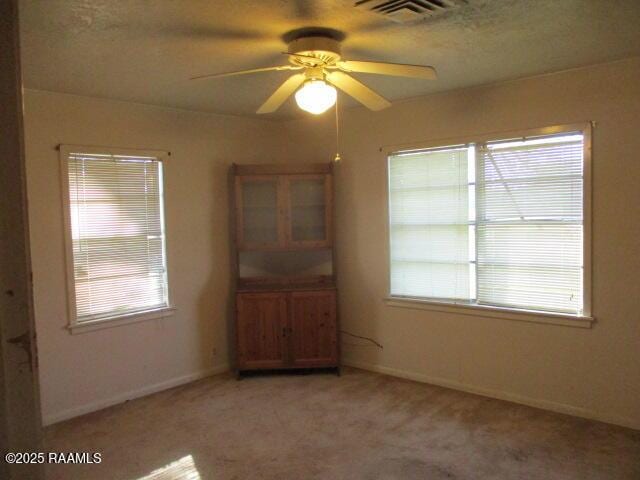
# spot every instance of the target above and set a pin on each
(117, 234)
(530, 223)
(429, 224)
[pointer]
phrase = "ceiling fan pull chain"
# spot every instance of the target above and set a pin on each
(337, 158)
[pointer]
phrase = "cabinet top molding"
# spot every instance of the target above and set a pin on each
(282, 169)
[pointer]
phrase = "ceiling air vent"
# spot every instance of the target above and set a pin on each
(406, 11)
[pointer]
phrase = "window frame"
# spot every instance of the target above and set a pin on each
(73, 325)
(584, 320)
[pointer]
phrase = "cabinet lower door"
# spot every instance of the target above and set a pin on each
(314, 336)
(261, 329)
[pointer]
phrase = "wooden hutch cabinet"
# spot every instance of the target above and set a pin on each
(286, 306)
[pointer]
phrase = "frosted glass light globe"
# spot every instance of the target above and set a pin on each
(316, 96)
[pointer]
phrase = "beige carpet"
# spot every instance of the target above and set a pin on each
(359, 426)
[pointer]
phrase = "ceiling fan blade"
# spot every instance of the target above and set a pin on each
(282, 93)
(357, 90)
(393, 69)
(244, 72)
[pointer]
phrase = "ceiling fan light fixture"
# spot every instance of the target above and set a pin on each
(316, 96)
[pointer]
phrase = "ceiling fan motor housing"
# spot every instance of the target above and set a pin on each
(327, 50)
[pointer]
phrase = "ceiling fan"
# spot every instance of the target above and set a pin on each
(320, 67)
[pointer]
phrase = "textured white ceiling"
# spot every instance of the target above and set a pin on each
(145, 51)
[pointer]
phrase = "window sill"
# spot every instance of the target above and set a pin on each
(493, 312)
(111, 322)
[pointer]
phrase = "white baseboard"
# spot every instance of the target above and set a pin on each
(130, 395)
(501, 395)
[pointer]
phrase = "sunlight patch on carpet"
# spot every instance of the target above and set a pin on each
(182, 469)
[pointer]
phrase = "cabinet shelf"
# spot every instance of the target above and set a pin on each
(263, 284)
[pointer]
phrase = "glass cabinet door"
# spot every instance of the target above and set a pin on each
(308, 202)
(259, 223)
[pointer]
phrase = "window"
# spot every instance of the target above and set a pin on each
(115, 234)
(429, 220)
(498, 222)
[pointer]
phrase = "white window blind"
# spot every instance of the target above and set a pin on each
(497, 223)
(429, 224)
(117, 235)
(530, 224)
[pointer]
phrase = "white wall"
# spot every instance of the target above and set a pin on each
(80, 373)
(593, 373)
